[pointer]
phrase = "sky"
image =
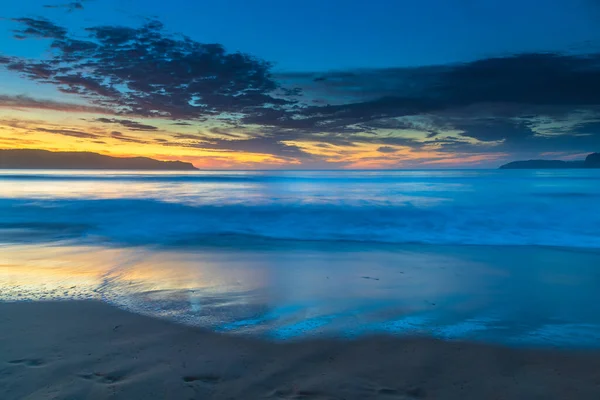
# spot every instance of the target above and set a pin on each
(236, 84)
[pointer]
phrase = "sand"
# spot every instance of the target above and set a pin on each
(90, 350)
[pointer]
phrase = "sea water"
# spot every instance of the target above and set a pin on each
(508, 256)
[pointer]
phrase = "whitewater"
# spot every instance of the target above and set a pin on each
(475, 207)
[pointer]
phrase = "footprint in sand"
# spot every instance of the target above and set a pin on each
(300, 395)
(105, 378)
(375, 391)
(29, 362)
(410, 394)
(381, 393)
(209, 379)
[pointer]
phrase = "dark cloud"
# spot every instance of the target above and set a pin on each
(187, 136)
(224, 132)
(124, 138)
(70, 7)
(542, 79)
(38, 27)
(260, 145)
(525, 80)
(69, 132)
(583, 137)
(588, 128)
(29, 102)
(347, 118)
(490, 130)
(519, 137)
(497, 101)
(129, 124)
(85, 86)
(451, 144)
(287, 135)
(143, 71)
(268, 143)
(39, 70)
(387, 149)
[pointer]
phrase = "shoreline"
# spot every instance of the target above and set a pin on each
(43, 235)
(465, 293)
(91, 350)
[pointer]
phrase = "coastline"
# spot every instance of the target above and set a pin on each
(88, 349)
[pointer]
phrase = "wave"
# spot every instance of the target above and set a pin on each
(138, 222)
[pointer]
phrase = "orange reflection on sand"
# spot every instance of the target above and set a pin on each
(49, 272)
(34, 272)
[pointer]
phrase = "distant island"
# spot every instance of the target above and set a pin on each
(591, 161)
(43, 159)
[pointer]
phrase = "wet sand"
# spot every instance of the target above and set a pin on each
(90, 350)
(524, 296)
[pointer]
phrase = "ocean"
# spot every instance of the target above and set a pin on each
(510, 256)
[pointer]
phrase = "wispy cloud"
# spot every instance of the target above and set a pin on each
(129, 124)
(69, 7)
(69, 132)
(24, 102)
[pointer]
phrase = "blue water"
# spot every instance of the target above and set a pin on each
(496, 207)
(493, 255)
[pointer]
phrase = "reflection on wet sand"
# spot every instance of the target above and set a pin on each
(518, 295)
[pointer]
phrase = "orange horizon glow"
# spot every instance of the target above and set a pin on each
(36, 128)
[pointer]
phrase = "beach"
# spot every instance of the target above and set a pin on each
(90, 350)
(298, 285)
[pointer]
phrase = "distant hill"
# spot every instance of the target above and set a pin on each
(591, 161)
(43, 159)
(542, 164)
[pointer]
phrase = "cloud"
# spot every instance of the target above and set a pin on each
(550, 80)
(493, 130)
(69, 132)
(488, 106)
(22, 101)
(267, 144)
(39, 27)
(124, 138)
(189, 136)
(260, 145)
(387, 149)
(129, 124)
(70, 7)
(96, 136)
(145, 72)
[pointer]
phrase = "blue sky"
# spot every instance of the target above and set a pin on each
(315, 35)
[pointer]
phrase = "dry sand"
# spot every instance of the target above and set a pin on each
(89, 350)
